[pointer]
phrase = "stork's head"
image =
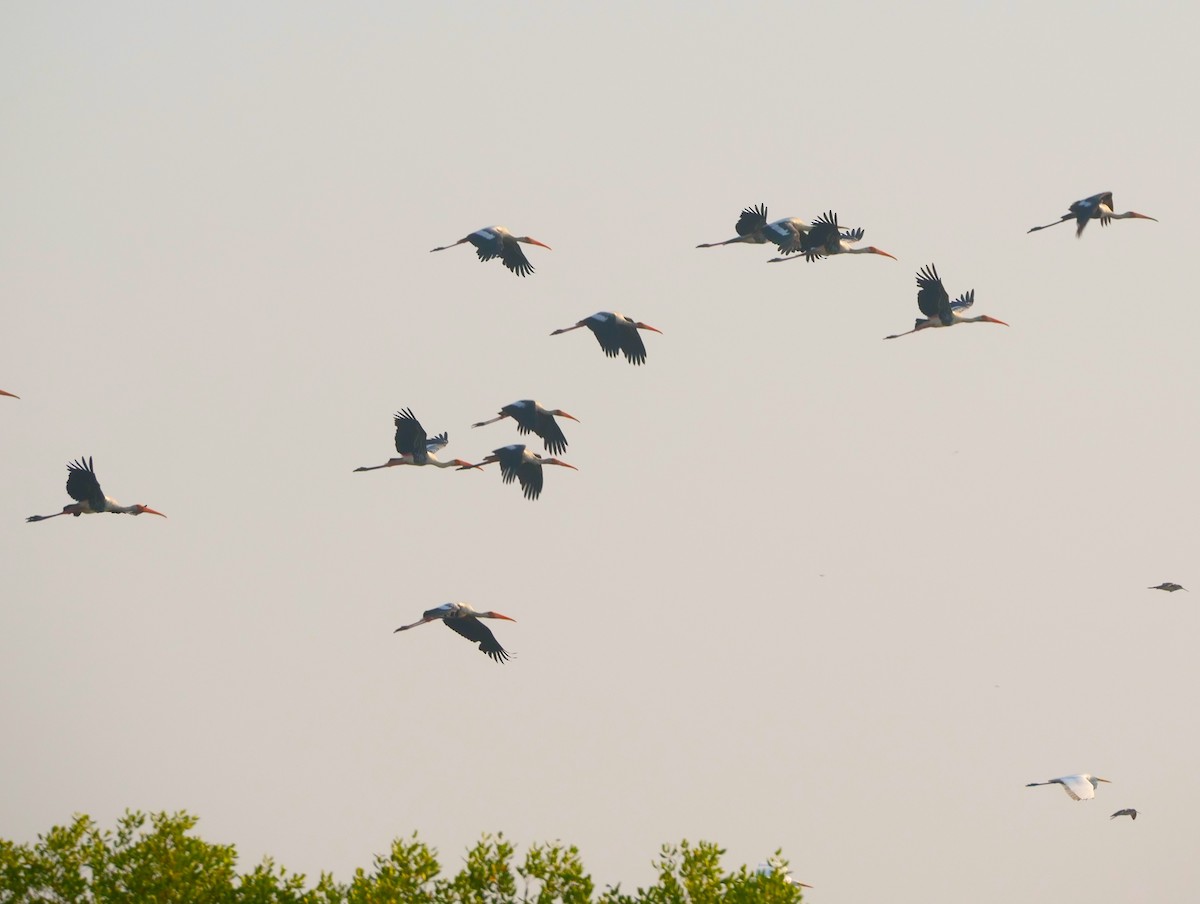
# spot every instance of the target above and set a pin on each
(986, 319)
(646, 326)
(145, 510)
(529, 240)
(464, 465)
(490, 614)
(871, 249)
(558, 412)
(555, 461)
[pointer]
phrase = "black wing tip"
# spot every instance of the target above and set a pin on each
(497, 653)
(752, 219)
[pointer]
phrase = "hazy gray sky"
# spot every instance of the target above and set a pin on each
(808, 589)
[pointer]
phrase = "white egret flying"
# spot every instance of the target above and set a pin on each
(1080, 787)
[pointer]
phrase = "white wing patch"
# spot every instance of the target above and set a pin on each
(963, 301)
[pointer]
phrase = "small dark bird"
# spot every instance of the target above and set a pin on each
(1128, 811)
(462, 619)
(616, 333)
(518, 463)
(533, 418)
(934, 302)
(1097, 207)
(415, 447)
(496, 241)
(84, 488)
(1168, 586)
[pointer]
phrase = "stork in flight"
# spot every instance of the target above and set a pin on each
(1128, 811)
(415, 447)
(533, 418)
(939, 310)
(1079, 787)
(1097, 207)
(496, 241)
(826, 238)
(1168, 586)
(752, 228)
(616, 333)
(518, 463)
(462, 619)
(84, 488)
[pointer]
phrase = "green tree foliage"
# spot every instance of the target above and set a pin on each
(157, 860)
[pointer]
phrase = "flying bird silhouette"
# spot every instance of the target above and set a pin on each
(518, 463)
(1097, 207)
(496, 241)
(533, 418)
(752, 228)
(826, 238)
(415, 447)
(462, 619)
(934, 302)
(84, 488)
(1078, 787)
(616, 334)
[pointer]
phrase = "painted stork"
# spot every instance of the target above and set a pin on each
(752, 227)
(1079, 787)
(616, 333)
(1168, 586)
(1097, 207)
(462, 619)
(84, 488)
(9, 394)
(518, 463)
(496, 241)
(415, 447)
(1128, 811)
(939, 310)
(533, 418)
(825, 238)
